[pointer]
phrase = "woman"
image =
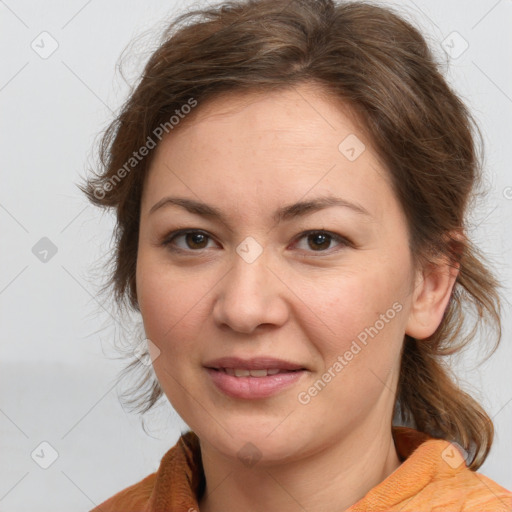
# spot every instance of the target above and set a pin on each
(291, 182)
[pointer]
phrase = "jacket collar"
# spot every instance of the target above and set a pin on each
(180, 480)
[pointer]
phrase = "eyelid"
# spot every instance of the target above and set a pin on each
(342, 240)
(169, 238)
(335, 236)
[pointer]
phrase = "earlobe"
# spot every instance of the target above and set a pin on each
(430, 298)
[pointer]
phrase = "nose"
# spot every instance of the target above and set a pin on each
(250, 296)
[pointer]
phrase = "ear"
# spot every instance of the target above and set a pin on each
(432, 292)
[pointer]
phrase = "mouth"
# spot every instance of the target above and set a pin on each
(244, 372)
(253, 378)
(239, 365)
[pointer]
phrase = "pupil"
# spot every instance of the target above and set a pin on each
(323, 239)
(318, 239)
(194, 237)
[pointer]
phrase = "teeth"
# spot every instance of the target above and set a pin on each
(242, 372)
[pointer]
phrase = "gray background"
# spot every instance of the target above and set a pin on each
(57, 359)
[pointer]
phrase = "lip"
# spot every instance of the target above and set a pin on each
(255, 363)
(251, 388)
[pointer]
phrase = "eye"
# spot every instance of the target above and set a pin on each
(319, 240)
(194, 240)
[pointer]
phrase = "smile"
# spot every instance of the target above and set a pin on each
(247, 384)
(243, 372)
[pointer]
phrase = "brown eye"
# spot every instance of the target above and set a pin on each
(321, 241)
(194, 240)
(317, 241)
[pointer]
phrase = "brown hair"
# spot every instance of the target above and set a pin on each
(373, 60)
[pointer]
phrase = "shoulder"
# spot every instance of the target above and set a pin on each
(433, 477)
(467, 491)
(179, 475)
(453, 486)
(487, 495)
(131, 499)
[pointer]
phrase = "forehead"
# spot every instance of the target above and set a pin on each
(270, 146)
(304, 113)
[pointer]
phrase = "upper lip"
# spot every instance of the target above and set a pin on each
(255, 363)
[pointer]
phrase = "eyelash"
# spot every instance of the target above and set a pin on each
(167, 242)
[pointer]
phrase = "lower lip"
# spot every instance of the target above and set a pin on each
(253, 387)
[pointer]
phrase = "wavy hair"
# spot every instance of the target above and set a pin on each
(372, 59)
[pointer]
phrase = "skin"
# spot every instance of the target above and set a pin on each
(301, 300)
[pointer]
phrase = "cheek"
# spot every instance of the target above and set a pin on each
(342, 308)
(169, 305)
(358, 334)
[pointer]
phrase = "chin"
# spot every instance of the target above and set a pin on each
(253, 442)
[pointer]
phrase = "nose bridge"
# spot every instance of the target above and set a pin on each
(250, 293)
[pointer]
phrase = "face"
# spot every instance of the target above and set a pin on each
(325, 288)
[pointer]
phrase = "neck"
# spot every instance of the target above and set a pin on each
(330, 480)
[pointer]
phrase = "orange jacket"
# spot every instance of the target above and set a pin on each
(432, 477)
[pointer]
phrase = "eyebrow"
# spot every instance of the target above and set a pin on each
(284, 213)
